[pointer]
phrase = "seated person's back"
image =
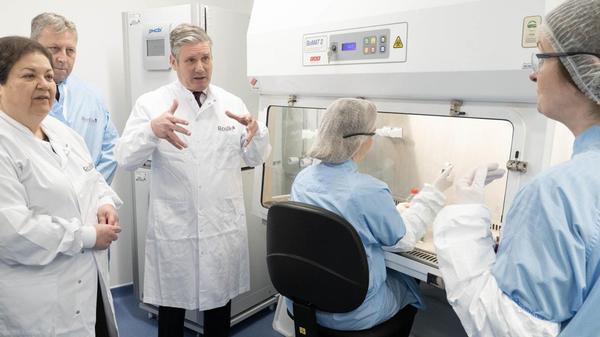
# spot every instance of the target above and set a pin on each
(344, 137)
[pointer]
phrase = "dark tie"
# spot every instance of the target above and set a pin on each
(197, 95)
(57, 94)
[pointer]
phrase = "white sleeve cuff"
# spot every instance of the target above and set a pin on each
(107, 200)
(262, 131)
(259, 148)
(88, 236)
(406, 244)
(149, 133)
(484, 310)
(433, 195)
(419, 214)
(465, 255)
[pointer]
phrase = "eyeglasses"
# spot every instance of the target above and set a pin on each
(359, 134)
(538, 59)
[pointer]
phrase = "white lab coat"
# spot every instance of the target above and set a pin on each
(196, 242)
(48, 203)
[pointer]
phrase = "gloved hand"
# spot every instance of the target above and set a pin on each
(469, 188)
(402, 206)
(444, 180)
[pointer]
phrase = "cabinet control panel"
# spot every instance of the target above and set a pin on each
(380, 44)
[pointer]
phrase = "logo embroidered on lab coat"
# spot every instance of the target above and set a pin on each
(226, 128)
(89, 119)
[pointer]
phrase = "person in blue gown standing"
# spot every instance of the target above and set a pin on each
(545, 279)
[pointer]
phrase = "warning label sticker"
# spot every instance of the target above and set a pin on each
(398, 43)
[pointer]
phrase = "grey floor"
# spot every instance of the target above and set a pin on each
(134, 322)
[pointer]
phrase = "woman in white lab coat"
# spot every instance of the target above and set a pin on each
(57, 214)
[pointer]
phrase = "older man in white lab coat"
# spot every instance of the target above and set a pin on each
(196, 244)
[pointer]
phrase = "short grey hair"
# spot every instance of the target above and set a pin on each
(185, 34)
(57, 22)
(343, 117)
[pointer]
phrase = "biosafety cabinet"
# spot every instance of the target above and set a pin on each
(449, 79)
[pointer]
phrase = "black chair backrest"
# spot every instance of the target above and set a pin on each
(316, 257)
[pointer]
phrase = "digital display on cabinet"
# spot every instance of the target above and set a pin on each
(155, 47)
(349, 46)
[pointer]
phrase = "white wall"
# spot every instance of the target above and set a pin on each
(562, 146)
(550, 4)
(100, 62)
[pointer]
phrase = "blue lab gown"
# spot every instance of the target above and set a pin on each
(367, 204)
(81, 107)
(549, 259)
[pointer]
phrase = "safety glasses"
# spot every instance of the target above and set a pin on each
(359, 134)
(538, 59)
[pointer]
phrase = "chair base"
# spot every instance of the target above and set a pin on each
(400, 325)
(282, 322)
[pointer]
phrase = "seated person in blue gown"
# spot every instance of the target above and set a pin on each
(344, 137)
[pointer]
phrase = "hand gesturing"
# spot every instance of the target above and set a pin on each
(165, 125)
(249, 122)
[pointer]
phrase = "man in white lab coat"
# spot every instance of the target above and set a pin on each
(196, 243)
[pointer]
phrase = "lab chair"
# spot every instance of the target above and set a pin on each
(316, 259)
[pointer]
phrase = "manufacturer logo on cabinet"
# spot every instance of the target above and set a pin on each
(314, 42)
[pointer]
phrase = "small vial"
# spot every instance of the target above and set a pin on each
(447, 165)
